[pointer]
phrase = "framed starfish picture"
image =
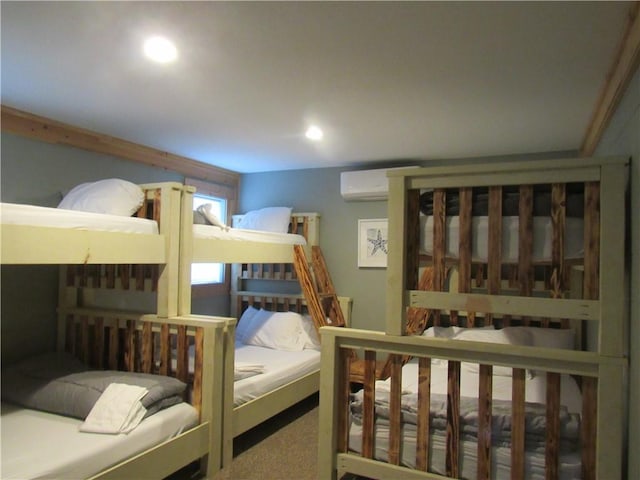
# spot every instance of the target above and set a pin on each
(372, 242)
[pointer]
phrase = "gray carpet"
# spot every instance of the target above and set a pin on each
(284, 447)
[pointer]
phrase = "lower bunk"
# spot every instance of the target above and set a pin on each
(276, 361)
(485, 408)
(114, 403)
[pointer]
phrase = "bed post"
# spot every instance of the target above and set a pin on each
(613, 340)
(328, 410)
(396, 282)
(186, 251)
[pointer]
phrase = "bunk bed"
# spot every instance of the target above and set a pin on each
(101, 251)
(268, 257)
(515, 341)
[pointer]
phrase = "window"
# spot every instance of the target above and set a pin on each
(206, 273)
(210, 279)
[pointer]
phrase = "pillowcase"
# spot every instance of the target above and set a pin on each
(450, 332)
(243, 326)
(312, 341)
(112, 196)
(513, 337)
(277, 330)
(552, 337)
(269, 219)
(210, 217)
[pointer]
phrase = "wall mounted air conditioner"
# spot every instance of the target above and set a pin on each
(365, 184)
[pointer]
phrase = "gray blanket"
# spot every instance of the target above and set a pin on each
(58, 383)
(535, 419)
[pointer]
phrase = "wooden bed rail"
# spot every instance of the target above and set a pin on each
(129, 341)
(335, 454)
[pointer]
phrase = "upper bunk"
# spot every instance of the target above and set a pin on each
(263, 248)
(212, 243)
(500, 233)
(43, 235)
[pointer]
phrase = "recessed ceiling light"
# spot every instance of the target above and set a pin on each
(160, 49)
(314, 133)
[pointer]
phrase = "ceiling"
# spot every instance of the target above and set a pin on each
(385, 80)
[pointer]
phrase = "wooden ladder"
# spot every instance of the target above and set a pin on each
(318, 290)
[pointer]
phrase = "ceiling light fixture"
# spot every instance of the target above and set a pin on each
(314, 133)
(160, 49)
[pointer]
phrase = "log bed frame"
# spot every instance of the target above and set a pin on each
(590, 295)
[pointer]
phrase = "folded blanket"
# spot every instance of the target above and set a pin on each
(58, 384)
(118, 410)
(535, 419)
(246, 370)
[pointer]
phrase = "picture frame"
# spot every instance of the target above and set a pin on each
(372, 243)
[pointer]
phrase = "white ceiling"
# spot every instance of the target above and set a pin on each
(385, 80)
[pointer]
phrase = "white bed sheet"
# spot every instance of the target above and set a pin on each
(237, 234)
(37, 444)
(18, 214)
(535, 391)
(542, 235)
(281, 367)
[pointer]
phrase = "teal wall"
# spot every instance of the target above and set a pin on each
(622, 137)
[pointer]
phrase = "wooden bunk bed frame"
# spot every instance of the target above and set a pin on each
(129, 262)
(94, 259)
(588, 294)
(269, 258)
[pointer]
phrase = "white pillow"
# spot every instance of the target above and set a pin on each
(113, 196)
(269, 219)
(513, 337)
(553, 337)
(450, 332)
(244, 324)
(312, 340)
(277, 330)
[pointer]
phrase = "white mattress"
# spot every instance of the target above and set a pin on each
(17, 214)
(281, 367)
(542, 235)
(238, 234)
(42, 445)
(535, 391)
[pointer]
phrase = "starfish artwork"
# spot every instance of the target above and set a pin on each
(377, 243)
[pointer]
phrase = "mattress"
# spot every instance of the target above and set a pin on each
(18, 214)
(535, 392)
(281, 367)
(542, 235)
(37, 444)
(238, 234)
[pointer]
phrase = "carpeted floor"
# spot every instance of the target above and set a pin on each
(284, 447)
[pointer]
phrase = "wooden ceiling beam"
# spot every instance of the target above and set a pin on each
(51, 131)
(620, 74)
